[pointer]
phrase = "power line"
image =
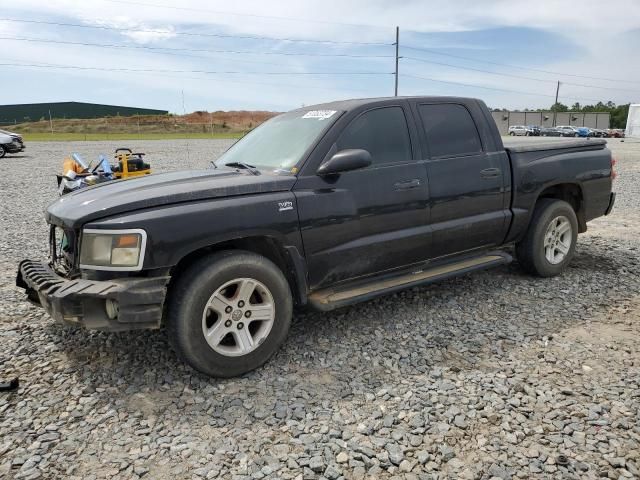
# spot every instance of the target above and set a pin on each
(502, 74)
(159, 52)
(201, 50)
(206, 72)
(233, 81)
(191, 34)
(435, 52)
(477, 69)
(490, 88)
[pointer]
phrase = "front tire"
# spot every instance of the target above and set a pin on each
(550, 241)
(229, 313)
(3, 152)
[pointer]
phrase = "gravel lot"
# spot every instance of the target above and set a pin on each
(491, 375)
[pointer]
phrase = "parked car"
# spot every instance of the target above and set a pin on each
(323, 206)
(616, 133)
(550, 132)
(533, 130)
(10, 143)
(599, 133)
(517, 130)
(568, 131)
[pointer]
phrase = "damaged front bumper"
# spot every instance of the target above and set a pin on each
(130, 303)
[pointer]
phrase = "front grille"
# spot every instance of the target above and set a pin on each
(62, 250)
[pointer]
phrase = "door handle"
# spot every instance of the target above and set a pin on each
(407, 184)
(490, 173)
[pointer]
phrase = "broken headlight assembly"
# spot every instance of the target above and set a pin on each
(115, 250)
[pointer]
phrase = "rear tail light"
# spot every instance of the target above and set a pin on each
(614, 174)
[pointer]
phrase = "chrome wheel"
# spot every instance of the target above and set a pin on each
(238, 317)
(557, 240)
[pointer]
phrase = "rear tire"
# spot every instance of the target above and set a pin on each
(229, 313)
(550, 242)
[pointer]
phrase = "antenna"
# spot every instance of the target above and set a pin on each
(184, 112)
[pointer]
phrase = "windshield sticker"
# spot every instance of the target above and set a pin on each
(319, 114)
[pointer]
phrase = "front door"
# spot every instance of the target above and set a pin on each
(467, 183)
(370, 220)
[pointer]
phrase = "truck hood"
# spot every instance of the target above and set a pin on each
(122, 196)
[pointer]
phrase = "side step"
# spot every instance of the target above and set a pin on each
(332, 298)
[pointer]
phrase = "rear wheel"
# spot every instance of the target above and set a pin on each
(229, 313)
(550, 241)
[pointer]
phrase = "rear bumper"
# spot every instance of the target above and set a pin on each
(612, 200)
(83, 302)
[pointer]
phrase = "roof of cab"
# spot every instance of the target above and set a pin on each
(351, 104)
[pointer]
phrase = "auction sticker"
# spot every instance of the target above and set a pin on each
(319, 114)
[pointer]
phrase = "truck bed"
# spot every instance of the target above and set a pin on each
(583, 163)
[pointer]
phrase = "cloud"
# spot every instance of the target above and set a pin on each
(136, 31)
(588, 38)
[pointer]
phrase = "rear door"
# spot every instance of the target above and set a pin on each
(466, 183)
(370, 220)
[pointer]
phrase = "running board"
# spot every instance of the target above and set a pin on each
(332, 298)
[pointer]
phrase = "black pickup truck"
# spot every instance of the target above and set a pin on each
(323, 206)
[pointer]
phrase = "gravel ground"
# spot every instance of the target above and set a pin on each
(491, 375)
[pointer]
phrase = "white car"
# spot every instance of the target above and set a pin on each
(10, 143)
(517, 130)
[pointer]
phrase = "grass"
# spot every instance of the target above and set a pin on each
(69, 137)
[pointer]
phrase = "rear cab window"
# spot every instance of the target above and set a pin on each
(450, 130)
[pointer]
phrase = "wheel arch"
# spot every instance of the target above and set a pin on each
(287, 258)
(570, 193)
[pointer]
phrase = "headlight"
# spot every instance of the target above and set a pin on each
(113, 249)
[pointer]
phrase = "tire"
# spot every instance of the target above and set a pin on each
(201, 288)
(512, 134)
(537, 253)
(3, 152)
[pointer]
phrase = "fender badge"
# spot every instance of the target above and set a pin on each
(284, 206)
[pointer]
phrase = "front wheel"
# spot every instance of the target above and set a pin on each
(550, 241)
(3, 152)
(229, 313)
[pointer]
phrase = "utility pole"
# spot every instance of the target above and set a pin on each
(50, 122)
(555, 105)
(397, 44)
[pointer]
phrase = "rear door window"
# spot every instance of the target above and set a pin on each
(450, 130)
(383, 132)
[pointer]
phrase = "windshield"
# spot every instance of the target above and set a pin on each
(280, 143)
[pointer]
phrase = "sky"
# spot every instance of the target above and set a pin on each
(278, 55)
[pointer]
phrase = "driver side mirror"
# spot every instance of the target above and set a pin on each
(345, 160)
